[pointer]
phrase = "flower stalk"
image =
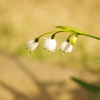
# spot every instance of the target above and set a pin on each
(50, 43)
(52, 32)
(92, 36)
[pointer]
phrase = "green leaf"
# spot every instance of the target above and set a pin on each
(96, 61)
(92, 88)
(72, 30)
(94, 97)
(76, 31)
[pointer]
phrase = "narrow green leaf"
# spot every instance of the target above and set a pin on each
(72, 30)
(87, 86)
(77, 31)
(96, 61)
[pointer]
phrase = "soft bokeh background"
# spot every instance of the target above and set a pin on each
(40, 76)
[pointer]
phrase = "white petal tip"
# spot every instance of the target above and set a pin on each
(49, 52)
(63, 53)
(60, 50)
(44, 49)
(45, 38)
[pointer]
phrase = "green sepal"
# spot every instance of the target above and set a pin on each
(36, 39)
(53, 36)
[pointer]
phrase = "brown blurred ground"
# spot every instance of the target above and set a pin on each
(25, 79)
(36, 76)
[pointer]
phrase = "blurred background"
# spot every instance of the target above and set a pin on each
(39, 75)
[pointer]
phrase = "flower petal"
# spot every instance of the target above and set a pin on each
(50, 44)
(63, 45)
(31, 45)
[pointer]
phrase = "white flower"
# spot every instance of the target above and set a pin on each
(66, 47)
(50, 44)
(31, 45)
(62, 47)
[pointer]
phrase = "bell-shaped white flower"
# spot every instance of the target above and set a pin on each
(50, 44)
(31, 45)
(62, 47)
(66, 47)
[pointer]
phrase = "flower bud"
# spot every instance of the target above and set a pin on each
(73, 40)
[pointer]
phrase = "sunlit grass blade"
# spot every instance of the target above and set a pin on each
(92, 88)
(96, 61)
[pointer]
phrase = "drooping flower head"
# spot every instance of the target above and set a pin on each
(31, 45)
(50, 44)
(62, 47)
(66, 47)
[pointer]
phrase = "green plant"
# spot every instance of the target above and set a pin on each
(50, 43)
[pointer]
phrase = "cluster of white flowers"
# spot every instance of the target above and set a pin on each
(50, 45)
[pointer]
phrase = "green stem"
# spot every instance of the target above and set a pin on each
(64, 30)
(53, 36)
(55, 32)
(68, 39)
(95, 37)
(51, 32)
